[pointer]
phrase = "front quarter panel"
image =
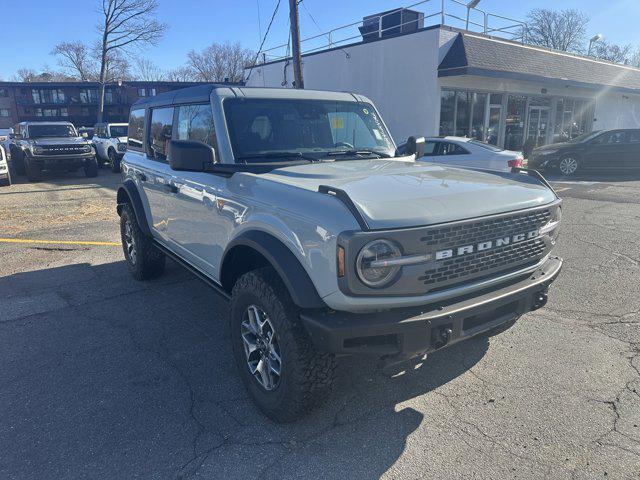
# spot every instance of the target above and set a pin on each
(306, 222)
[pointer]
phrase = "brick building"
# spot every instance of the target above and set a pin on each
(76, 102)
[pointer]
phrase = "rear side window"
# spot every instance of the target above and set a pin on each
(447, 148)
(160, 134)
(136, 129)
(195, 122)
(634, 136)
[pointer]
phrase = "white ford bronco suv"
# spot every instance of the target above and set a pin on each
(294, 205)
(110, 143)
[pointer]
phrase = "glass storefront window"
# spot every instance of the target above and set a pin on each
(514, 128)
(477, 117)
(447, 112)
(496, 99)
(463, 109)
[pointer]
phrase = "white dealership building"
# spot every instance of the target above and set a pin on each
(442, 80)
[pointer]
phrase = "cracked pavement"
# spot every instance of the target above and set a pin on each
(106, 377)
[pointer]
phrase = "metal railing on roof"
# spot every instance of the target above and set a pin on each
(452, 13)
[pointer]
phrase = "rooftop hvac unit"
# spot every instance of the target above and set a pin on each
(390, 23)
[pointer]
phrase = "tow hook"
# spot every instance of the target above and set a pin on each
(539, 300)
(440, 336)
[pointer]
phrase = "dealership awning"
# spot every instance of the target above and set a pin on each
(480, 55)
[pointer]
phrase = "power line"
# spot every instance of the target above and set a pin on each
(275, 11)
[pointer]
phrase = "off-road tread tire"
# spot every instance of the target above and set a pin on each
(307, 375)
(114, 161)
(33, 172)
(151, 261)
(6, 182)
(91, 168)
(17, 161)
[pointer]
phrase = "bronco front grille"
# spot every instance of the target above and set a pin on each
(480, 263)
(63, 150)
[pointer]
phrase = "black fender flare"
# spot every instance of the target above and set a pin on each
(302, 290)
(128, 192)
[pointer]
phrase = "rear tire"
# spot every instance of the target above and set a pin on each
(305, 375)
(91, 168)
(33, 172)
(143, 259)
(114, 161)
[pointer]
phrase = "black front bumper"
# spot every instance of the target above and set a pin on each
(60, 161)
(409, 332)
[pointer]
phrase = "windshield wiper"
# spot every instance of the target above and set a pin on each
(279, 155)
(358, 152)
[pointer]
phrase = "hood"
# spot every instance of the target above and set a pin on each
(121, 139)
(397, 194)
(554, 146)
(60, 141)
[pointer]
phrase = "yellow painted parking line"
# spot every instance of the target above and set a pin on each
(58, 242)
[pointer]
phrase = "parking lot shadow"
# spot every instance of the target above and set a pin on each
(67, 180)
(106, 377)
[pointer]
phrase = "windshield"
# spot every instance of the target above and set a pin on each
(488, 146)
(118, 130)
(261, 129)
(585, 137)
(53, 130)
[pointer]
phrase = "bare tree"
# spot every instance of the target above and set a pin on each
(77, 59)
(180, 74)
(125, 24)
(634, 61)
(146, 70)
(25, 75)
(560, 30)
(45, 75)
(611, 52)
(220, 62)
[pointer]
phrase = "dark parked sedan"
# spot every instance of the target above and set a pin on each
(600, 150)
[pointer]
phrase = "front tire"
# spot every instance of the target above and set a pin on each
(267, 336)
(114, 161)
(33, 172)
(143, 259)
(6, 182)
(568, 165)
(91, 167)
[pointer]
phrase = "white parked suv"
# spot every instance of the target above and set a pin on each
(5, 176)
(294, 206)
(110, 143)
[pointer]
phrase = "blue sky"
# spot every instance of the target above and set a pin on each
(196, 23)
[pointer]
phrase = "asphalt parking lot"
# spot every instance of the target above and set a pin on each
(105, 377)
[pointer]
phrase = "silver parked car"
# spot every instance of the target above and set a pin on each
(293, 205)
(467, 152)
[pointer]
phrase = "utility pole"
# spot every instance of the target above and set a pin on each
(295, 43)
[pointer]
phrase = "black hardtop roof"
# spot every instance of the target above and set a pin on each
(201, 93)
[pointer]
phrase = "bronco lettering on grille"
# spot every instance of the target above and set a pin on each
(488, 245)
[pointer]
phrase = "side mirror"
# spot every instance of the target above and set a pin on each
(416, 146)
(191, 156)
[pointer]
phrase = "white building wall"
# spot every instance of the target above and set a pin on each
(617, 110)
(398, 74)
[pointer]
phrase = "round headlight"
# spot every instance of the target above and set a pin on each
(370, 263)
(38, 150)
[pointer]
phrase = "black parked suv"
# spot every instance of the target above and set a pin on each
(54, 146)
(600, 150)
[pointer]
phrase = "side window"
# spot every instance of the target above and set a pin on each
(160, 133)
(633, 136)
(429, 149)
(195, 122)
(136, 129)
(447, 148)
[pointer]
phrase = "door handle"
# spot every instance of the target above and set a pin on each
(171, 187)
(141, 176)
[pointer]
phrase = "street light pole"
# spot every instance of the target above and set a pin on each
(470, 5)
(295, 43)
(593, 40)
